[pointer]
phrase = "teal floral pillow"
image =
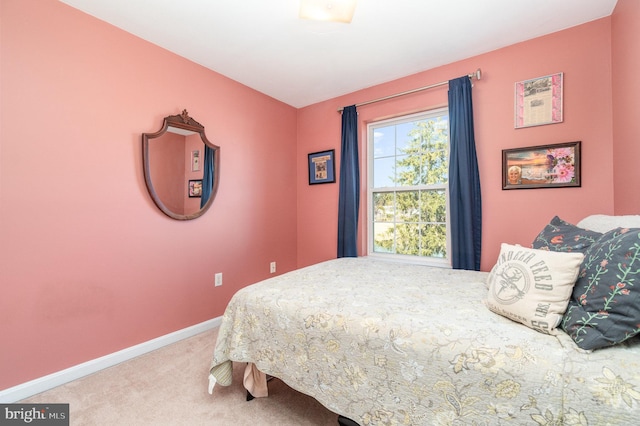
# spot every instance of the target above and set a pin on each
(605, 304)
(562, 236)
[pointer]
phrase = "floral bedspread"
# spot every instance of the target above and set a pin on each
(386, 343)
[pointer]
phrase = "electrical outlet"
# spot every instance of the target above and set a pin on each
(272, 267)
(218, 279)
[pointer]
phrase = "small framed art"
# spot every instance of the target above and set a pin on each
(195, 188)
(539, 101)
(322, 167)
(543, 166)
(195, 161)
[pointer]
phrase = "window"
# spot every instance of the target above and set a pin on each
(408, 187)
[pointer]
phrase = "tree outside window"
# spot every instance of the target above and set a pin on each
(409, 185)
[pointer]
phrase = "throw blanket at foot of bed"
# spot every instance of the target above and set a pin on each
(386, 343)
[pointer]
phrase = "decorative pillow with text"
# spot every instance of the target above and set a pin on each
(532, 286)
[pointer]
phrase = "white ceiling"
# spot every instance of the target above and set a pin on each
(264, 45)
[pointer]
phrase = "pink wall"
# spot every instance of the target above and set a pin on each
(582, 53)
(626, 107)
(88, 264)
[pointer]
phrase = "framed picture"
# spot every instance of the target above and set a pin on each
(195, 161)
(322, 167)
(544, 166)
(539, 101)
(195, 188)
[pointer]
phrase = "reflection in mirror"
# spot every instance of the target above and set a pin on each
(181, 167)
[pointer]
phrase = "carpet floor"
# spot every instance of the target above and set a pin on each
(169, 387)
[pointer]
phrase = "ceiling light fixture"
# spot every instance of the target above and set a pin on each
(327, 10)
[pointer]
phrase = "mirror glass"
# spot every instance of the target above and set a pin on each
(181, 167)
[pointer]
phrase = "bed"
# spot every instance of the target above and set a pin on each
(385, 343)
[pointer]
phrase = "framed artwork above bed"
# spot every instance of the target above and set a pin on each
(538, 101)
(543, 166)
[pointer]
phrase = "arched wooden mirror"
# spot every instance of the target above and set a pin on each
(181, 167)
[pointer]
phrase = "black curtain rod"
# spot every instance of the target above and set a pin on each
(477, 75)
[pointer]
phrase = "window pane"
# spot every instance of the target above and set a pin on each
(436, 167)
(407, 206)
(433, 241)
(383, 172)
(433, 205)
(384, 142)
(408, 170)
(383, 237)
(383, 210)
(403, 137)
(408, 239)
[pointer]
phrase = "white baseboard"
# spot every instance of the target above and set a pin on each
(58, 378)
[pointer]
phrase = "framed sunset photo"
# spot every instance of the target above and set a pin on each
(543, 166)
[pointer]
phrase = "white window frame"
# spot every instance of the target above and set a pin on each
(430, 261)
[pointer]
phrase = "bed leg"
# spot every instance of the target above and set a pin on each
(343, 421)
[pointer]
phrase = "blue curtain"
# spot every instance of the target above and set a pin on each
(207, 178)
(349, 196)
(464, 179)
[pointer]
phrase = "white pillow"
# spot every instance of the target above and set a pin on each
(532, 286)
(603, 223)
